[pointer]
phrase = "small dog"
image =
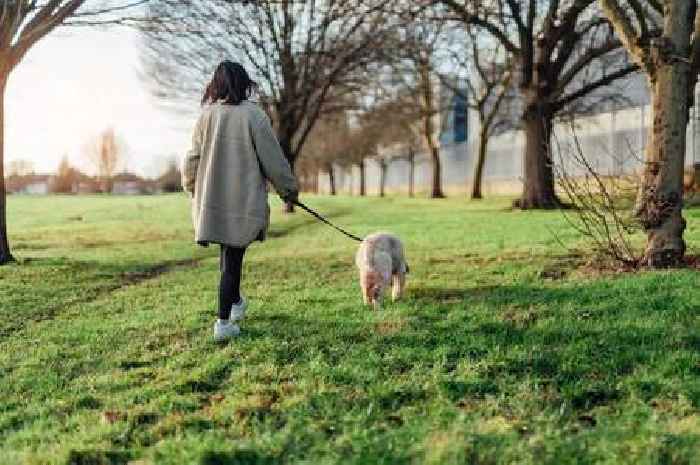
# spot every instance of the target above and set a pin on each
(382, 263)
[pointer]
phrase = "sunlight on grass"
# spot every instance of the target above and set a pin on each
(106, 354)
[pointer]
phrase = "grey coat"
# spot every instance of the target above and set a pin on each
(234, 151)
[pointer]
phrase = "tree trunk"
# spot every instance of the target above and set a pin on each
(436, 192)
(660, 199)
(5, 253)
(363, 190)
(538, 182)
(428, 129)
(479, 164)
(331, 178)
(411, 172)
(382, 177)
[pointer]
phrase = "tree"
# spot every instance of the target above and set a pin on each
(66, 178)
(429, 110)
(23, 23)
(170, 180)
(664, 40)
(301, 52)
(565, 54)
(486, 91)
(391, 122)
(20, 168)
(419, 43)
(374, 127)
(383, 166)
(401, 130)
(329, 143)
(105, 153)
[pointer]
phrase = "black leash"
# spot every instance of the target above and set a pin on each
(320, 218)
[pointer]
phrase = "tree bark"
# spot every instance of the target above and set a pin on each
(5, 252)
(660, 199)
(538, 182)
(436, 192)
(363, 190)
(382, 177)
(411, 172)
(479, 164)
(331, 178)
(428, 129)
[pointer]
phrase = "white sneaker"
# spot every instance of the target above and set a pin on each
(225, 330)
(238, 310)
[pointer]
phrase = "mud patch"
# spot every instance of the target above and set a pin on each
(389, 327)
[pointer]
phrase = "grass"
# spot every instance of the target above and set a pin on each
(106, 354)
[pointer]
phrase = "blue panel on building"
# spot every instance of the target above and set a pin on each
(459, 113)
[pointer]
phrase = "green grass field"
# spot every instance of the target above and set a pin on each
(503, 352)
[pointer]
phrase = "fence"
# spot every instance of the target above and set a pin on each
(613, 142)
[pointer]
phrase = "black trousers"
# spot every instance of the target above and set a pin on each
(231, 266)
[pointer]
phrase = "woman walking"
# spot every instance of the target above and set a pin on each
(234, 153)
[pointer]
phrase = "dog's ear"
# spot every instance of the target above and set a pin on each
(408, 269)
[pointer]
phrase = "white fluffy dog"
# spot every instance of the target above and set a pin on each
(382, 263)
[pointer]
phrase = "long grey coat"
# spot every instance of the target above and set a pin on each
(234, 151)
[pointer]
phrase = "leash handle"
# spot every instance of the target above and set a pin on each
(321, 218)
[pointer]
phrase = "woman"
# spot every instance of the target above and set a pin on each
(234, 152)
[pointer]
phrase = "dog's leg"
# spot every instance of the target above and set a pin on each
(377, 302)
(395, 287)
(364, 285)
(398, 286)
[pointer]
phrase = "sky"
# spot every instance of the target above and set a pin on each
(75, 84)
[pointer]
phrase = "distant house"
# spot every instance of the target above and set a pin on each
(86, 185)
(31, 184)
(131, 184)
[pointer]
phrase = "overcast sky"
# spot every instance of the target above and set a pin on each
(78, 82)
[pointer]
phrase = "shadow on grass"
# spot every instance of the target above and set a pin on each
(80, 282)
(240, 457)
(98, 457)
(582, 341)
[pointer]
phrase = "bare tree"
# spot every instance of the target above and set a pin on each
(390, 129)
(430, 109)
(565, 54)
(364, 144)
(20, 167)
(487, 91)
(66, 179)
(23, 23)
(418, 48)
(105, 153)
(664, 39)
(170, 180)
(411, 158)
(300, 52)
(330, 142)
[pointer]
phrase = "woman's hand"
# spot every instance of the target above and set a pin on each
(292, 197)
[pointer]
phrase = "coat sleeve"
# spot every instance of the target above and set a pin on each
(275, 166)
(190, 162)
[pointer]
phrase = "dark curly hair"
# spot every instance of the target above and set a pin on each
(231, 83)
